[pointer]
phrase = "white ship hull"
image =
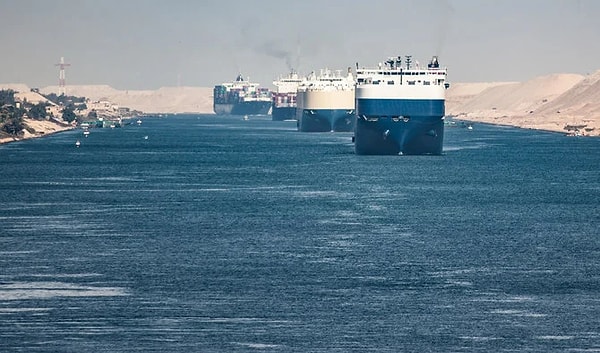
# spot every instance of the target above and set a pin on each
(322, 111)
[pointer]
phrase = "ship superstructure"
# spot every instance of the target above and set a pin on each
(325, 102)
(284, 97)
(400, 108)
(241, 97)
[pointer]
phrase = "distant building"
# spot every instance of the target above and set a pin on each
(102, 105)
(53, 110)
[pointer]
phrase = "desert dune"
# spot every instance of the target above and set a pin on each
(556, 102)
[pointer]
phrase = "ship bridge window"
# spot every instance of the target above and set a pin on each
(426, 83)
(361, 80)
(375, 82)
(411, 82)
(390, 82)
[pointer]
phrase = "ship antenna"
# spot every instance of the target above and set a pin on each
(408, 61)
(391, 62)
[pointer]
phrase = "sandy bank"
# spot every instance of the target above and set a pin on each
(559, 102)
(38, 128)
(165, 100)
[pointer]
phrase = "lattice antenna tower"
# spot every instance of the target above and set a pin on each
(61, 76)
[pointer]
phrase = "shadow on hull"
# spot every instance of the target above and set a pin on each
(326, 120)
(285, 113)
(243, 108)
(387, 136)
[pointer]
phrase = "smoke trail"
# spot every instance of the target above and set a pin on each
(279, 50)
(272, 48)
(443, 11)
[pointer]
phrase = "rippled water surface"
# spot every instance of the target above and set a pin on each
(215, 234)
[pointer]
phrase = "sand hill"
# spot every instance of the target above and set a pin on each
(554, 102)
(17, 87)
(582, 100)
(162, 100)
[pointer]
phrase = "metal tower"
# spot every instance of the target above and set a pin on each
(61, 76)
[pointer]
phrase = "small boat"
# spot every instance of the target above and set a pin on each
(86, 133)
(139, 122)
(245, 117)
(146, 137)
(77, 144)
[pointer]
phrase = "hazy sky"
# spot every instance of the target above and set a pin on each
(147, 44)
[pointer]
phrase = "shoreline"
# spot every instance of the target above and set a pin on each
(555, 126)
(47, 127)
(41, 127)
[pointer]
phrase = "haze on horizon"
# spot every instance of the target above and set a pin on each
(147, 44)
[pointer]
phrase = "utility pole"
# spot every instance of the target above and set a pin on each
(61, 76)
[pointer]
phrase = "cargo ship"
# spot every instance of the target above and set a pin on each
(325, 102)
(400, 109)
(241, 97)
(284, 97)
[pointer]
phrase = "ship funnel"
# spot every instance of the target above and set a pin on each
(434, 64)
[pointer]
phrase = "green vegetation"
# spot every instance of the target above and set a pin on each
(12, 111)
(38, 111)
(65, 100)
(69, 115)
(7, 97)
(69, 102)
(11, 122)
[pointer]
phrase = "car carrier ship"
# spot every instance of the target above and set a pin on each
(400, 108)
(325, 102)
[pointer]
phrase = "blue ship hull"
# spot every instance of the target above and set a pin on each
(283, 113)
(399, 126)
(251, 108)
(244, 108)
(325, 120)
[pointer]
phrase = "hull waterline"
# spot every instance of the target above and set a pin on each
(388, 136)
(326, 120)
(283, 113)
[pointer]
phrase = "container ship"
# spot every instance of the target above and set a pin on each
(325, 102)
(241, 97)
(284, 98)
(400, 110)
